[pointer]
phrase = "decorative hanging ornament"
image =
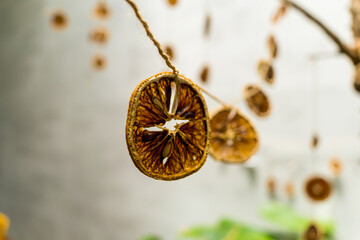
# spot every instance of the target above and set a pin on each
(257, 100)
(266, 71)
(170, 52)
(207, 25)
(317, 188)
(98, 62)
(99, 35)
(101, 11)
(233, 137)
(167, 152)
(312, 232)
(172, 2)
(59, 20)
(272, 46)
(204, 74)
(314, 141)
(336, 167)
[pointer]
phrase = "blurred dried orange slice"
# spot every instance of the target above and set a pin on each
(204, 74)
(59, 20)
(233, 137)
(101, 10)
(336, 166)
(272, 46)
(207, 25)
(317, 188)
(99, 35)
(315, 141)
(172, 2)
(266, 71)
(280, 13)
(312, 233)
(289, 189)
(98, 62)
(170, 52)
(257, 100)
(159, 150)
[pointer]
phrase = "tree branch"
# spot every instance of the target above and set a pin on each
(343, 48)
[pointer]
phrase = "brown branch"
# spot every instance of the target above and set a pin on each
(343, 48)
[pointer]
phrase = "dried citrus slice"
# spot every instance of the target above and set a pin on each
(157, 149)
(101, 11)
(204, 74)
(272, 46)
(257, 100)
(314, 141)
(233, 138)
(336, 166)
(170, 52)
(312, 233)
(98, 62)
(99, 35)
(266, 71)
(59, 20)
(317, 188)
(172, 2)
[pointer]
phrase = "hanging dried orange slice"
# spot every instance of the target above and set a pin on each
(170, 52)
(207, 25)
(101, 11)
(315, 141)
(233, 137)
(312, 232)
(317, 188)
(204, 74)
(266, 71)
(257, 100)
(98, 62)
(59, 20)
(159, 150)
(336, 166)
(272, 46)
(172, 2)
(99, 35)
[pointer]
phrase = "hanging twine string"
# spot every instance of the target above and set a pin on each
(151, 36)
(162, 53)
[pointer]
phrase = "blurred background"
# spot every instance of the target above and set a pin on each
(65, 171)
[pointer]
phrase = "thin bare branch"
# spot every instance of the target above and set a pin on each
(343, 48)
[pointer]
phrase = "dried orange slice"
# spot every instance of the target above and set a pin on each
(257, 100)
(315, 141)
(59, 20)
(170, 52)
(157, 149)
(336, 166)
(272, 46)
(101, 11)
(204, 74)
(172, 2)
(99, 35)
(317, 188)
(98, 62)
(233, 137)
(312, 233)
(266, 71)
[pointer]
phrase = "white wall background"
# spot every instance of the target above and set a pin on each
(65, 172)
